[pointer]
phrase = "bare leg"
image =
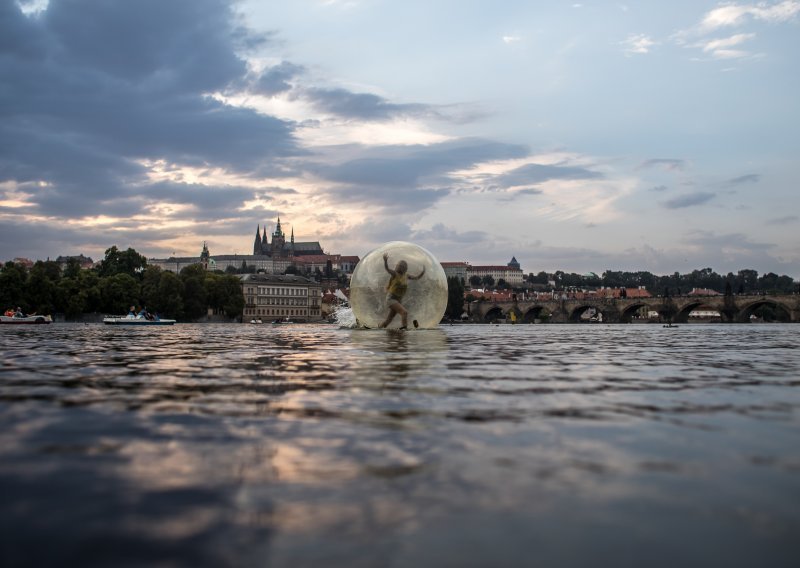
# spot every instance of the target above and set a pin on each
(390, 317)
(403, 315)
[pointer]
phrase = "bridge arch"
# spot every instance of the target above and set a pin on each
(578, 311)
(682, 316)
(535, 313)
(493, 313)
(627, 314)
(775, 311)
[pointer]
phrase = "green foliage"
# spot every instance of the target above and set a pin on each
(475, 281)
(116, 262)
(169, 298)
(73, 297)
(195, 297)
(224, 294)
(41, 288)
(455, 298)
(12, 285)
(118, 293)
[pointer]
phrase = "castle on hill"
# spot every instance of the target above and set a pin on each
(270, 255)
(279, 248)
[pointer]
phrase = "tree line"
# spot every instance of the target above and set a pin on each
(122, 279)
(742, 282)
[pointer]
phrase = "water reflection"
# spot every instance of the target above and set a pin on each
(467, 445)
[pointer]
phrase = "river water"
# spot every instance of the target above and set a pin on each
(467, 445)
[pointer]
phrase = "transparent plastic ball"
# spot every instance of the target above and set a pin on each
(425, 298)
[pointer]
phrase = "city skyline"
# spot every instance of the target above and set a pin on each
(572, 136)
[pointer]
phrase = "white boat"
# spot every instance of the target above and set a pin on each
(121, 320)
(14, 320)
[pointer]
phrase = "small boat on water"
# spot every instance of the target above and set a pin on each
(122, 320)
(34, 319)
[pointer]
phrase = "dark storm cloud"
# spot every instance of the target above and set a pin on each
(275, 80)
(89, 88)
(406, 166)
(688, 200)
(665, 163)
(749, 178)
(362, 106)
(534, 174)
(410, 178)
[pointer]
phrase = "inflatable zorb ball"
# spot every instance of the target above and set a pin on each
(425, 299)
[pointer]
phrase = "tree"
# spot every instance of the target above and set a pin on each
(151, 278)
(118, 293)
(195, 297)
(73, 297)
(72, 269)
(169, 300)
(488, 281)
(455, 298)
(116, 262)
(475, 280)
(12, 285)
(41, 292)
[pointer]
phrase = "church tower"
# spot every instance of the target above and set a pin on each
(204, 256)
(264, 242)
(278, 241)
(257, 243)
(291, 246)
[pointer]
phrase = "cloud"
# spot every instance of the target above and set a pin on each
(277, 79)
(637, 44)
(363, 106)
(688, 200)
(722, 48)
(749, 178)
(787, 220)
(670, 164)
(533, 174)
(509, 39)
(441, 233)
(731, 15)
(659, 188)
(90, 90)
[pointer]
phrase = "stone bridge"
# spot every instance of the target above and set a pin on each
(622, 310)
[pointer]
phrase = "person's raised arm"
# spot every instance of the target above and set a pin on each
(418, 276)
(386, 263)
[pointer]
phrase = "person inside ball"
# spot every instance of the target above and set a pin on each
(396, 289)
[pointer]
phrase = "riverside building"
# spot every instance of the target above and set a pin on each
(511, 272)
(281, 296)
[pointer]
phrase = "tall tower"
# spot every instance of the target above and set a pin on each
(291, 246)
(204, 256)
(257, 243)
(278, 241)
(264, 242)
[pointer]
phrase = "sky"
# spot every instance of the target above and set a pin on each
(576, 136)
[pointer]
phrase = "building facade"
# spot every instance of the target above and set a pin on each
(456, 270)
(284, 296)
(511, 272)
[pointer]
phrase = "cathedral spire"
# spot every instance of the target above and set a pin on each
(257, 243)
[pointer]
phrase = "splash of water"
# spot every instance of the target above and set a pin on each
(345, 318)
